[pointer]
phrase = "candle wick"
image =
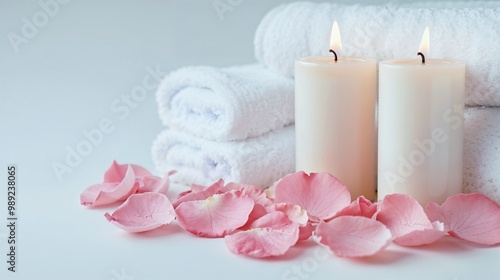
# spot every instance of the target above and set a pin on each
(423, 57)
(334, 53)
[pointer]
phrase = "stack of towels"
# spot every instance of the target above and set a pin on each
(237, 123)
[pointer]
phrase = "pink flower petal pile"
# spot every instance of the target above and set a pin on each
(265, 223)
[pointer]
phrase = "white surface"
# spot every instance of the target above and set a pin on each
(65, 79)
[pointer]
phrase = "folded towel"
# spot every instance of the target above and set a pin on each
(259, 161)
(482, 152)
(468, 33)
(263, 160)
(226, 104)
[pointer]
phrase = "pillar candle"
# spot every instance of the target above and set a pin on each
(420, 132)
(335, 102)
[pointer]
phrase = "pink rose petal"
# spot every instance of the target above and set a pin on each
(320, 194)
(215, 216)
(116, 172)
(422, 237)
(271, 191)
(293, 212)
(472, 217)
(231, 186)
(194, 189)
(271, 235)
(107, 193)
(306, 231)
(143, 212)
(353, 236)
(359, 207)
(200, 195)
(408, 223)
(257, 212)
(155, 184)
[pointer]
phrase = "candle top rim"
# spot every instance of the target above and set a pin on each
(329, 60)
(417, 62)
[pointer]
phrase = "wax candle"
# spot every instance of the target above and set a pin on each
(335, 101)
(420, 132)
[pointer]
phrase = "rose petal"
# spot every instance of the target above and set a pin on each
(408, 223)
(200, 195)
(402, 214)
(257, 194)
(143, 212)
(320, 194)
(231, 186)
(359, 207)
(106, 193)
(271, 235)
(422, 237)
(306, 231)
(194, 189)
(215, 216)
(472, 217)
(257, 212)
(116, 172)
(353, 236)
(271, 191)
(293, 212)
(155, 184)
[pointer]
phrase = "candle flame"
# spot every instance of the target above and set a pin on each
(424, 44)
(335, 42)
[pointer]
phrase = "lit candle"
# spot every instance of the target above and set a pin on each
(420, 138)
(335, 100)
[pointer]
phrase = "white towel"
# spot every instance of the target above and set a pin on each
(226, 104)
(265, 159)
(482, 152)
(259, 161)
(469, 33)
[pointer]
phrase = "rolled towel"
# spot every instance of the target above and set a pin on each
(226, 104)
(262, 160)
(467, 33)
(482, 152)
(259, 161)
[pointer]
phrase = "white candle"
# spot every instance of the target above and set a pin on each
(335, 129)
(420, 140)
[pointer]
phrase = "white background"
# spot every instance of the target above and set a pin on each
(64, 80)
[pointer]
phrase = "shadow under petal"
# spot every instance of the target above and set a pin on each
(165, 230)
(384, 257)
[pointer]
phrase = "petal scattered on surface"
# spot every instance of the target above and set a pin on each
(306, 231)
(271, 191)
(116, 172)
(422, 237)
(270, 235)
(215, 216)
(406, 219)
(353, 236)
(472, 217)
(257, 212)
(402, 214)
(320, 194)
(107, 193)
(155, 184)
(143, 212)
(359, 207)
(293, 212)
(200, 195)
